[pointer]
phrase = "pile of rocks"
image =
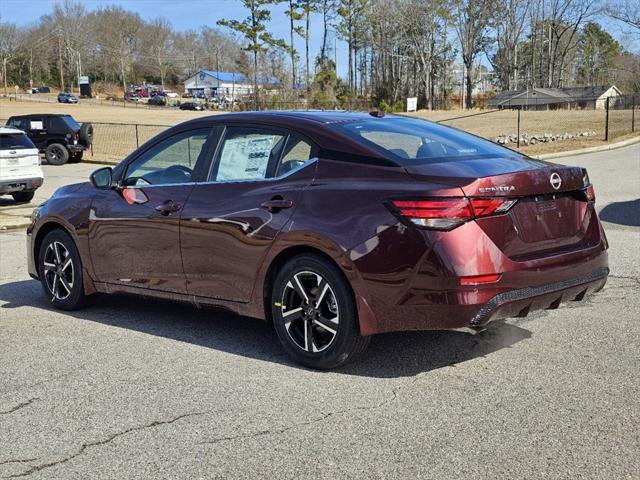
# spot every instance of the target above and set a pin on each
(526, 139)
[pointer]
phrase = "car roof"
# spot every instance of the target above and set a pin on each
(7, 130)
(319, 116)
(41, 115)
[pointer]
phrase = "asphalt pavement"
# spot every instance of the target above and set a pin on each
(144, 389)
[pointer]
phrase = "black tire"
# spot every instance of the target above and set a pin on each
(294, 319)
(23, 196)
(86, 134)
(76, 157)
(68, 293)
(56, 154)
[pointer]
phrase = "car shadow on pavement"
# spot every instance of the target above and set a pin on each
(622, 213)
(388, 356)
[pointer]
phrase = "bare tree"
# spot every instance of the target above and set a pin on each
(509, 22)
(8, 43)
(159, 43)
(472, 21)
(627, 11)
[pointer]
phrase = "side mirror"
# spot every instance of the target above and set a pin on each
(102, 178)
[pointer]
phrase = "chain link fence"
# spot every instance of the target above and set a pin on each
(114, 141)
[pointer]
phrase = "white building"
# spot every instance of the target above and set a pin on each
(224, 85)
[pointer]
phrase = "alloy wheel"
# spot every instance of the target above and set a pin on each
(56, 154)
(310, 311)
(58, 270)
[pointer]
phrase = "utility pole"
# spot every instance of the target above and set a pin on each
(60, 60)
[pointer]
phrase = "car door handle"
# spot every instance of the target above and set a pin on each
(168, 207)
(277, 203)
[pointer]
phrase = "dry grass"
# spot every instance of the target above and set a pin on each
(88, 112)
(114, 142)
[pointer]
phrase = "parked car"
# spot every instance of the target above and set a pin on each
(20, 171)
(157, 93)
(142, 92)
(33, 91)
(131, 97)
(157, 101)
(170, 94)
(44, 90)
(332, 226)
(59, 137)
(65, 97)
(191, 106)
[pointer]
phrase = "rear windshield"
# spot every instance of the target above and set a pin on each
(15, 142)
(411, 141)
(71, 122)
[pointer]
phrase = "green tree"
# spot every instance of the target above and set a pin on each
(598, 52)
(295, 14)
(254, 30)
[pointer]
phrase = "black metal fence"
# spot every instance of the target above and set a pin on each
(596, 119)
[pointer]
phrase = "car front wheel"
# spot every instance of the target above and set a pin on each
(314, 313)
(60, 270)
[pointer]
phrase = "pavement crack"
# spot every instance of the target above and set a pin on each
(97, 443)
(325, 416)
(624, 277)
(19, 406)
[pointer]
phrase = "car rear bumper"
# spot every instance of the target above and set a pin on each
(518, 303)
(20, 184)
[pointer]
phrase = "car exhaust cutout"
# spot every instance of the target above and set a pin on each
(448, 213)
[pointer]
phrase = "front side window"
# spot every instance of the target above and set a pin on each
(248, 154)
(20, 123)
(172, 161)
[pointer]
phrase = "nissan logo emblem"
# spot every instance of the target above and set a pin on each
(555, 180)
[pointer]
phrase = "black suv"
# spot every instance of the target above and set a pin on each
(59, 137)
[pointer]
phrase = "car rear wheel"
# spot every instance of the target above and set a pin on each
(56, 154)
(23, 196)
(60, 270)
(314, 313)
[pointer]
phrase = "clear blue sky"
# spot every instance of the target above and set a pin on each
(191, 14)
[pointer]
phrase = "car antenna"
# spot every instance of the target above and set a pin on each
(377, 113)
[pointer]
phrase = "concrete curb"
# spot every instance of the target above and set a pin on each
(602, 148)
(14, 225)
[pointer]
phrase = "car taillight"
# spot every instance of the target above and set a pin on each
(449, 213)
(590, 193)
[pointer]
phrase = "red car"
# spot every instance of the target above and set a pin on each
(331, 226)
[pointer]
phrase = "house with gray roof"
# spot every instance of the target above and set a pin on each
(554, 98)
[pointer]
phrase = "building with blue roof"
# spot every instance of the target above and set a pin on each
(227, 86)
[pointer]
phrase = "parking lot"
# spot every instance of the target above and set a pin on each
(143, 389)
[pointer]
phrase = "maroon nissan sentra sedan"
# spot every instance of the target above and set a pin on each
(332, 226)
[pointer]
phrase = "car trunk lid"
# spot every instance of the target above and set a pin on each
(551, 214)
(12, 161)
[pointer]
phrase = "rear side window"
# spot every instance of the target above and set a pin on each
(411, 141)
(71, 123)
(15, 142)
(248, 154)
